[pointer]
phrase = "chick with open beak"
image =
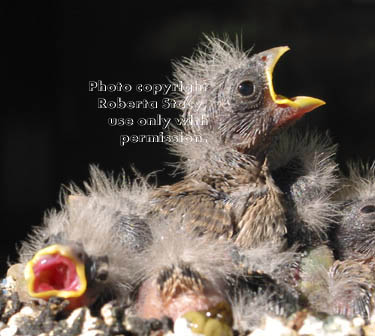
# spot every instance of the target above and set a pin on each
(228, 188)
(288, 109)
(86, 251)
(57, 271)
(66, 259)
(235, 95)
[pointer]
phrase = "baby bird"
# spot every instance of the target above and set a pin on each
(85, 251)
(99, 246)
(187, 274)
(354, 235)
(338, 287)
(182, 270)
(268, 288)
(303, 166)
(346, 286)
(228, 188)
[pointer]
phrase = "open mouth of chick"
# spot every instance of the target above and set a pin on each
(55, 271)
(298, 105)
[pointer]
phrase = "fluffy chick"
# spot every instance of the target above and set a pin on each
(127, 200)
(303, 166)
(346, 286)
(267, 288)
(340, 287)
(354, 234)
(183, 271)
(228, 188)
(189, 272)
(86, 250)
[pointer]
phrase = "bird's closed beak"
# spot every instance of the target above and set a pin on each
(55, 271)
(300, 104)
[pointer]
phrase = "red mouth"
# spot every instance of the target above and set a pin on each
(55, 272)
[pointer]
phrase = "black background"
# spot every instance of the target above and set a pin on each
(51, 129)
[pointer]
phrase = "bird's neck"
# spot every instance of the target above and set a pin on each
(234, 170)
(258, 153)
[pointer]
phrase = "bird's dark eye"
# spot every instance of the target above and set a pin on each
(81, 256)
(102, 275)
(368, 209)
(101, 268)
(246, 88)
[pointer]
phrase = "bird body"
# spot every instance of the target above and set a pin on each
(346, 286)
(229, 233)
(354, 233)
(303, 166)
(88, 249)
(339, 287)
(236, 198)
(228, 188)
(253, 180)
(185, 271)
(182, 271)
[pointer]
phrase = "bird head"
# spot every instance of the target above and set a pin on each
(354, 234)
(86, 251)
(226, 91)
(65, 271)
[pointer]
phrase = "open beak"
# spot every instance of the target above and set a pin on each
(55, 271)
(300, 104)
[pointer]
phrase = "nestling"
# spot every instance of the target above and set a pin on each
(187, 274)
(338, 287)
(354, 235)
(88, 249)
(182, 271)
(228, 188)
(347, 287)
(303, 166)
(268, 288)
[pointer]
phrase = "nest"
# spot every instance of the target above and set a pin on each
(111, 318)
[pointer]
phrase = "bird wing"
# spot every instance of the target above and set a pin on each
(249, 212)
(263, 219)
(203, 207)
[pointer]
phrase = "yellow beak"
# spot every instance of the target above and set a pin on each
(302, 103)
